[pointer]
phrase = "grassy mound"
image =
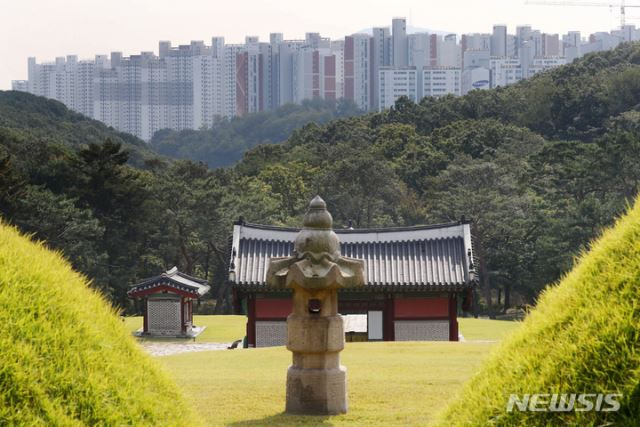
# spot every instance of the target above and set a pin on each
(65, 357)
(583, 337)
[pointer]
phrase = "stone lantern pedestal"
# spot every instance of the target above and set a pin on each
(316, 382)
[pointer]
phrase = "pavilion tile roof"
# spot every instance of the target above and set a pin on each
(435, 257)
(172, 279)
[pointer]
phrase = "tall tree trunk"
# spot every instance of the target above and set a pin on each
(224, 304)
(223, 300)
(507, 296)
(206, 263)
(188, 261)
(485, 283)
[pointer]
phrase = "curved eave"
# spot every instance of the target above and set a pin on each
(166, 285)
(372, 287)
(165, 278)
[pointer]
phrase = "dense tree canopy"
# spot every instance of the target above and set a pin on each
(539, 168)
(224, 143)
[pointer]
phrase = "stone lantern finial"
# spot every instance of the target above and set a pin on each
(318, 217)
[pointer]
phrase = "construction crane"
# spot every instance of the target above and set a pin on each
(621, 4)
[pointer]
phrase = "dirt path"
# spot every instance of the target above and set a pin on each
(169, 349)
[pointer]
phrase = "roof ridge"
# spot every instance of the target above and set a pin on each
(195, 279)
(359, 230)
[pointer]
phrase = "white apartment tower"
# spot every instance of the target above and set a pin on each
(287, 52)
(572, 43)
(20, 85)
(550, 45)
(396, 82)
(438, 82)
(274, 41)
(419, 49)
(505, 71)
(381, 57)
(499, 41)
(337, 49)
(399, 35)
(449, 53)
(230, 54)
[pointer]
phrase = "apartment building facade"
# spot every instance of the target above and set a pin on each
(191, 86)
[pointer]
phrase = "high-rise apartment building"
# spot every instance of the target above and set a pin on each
(419, 48)
(274, 91)
(315, 74)
(249, 78)
(287, 53)
(505, 71)
(190, 86)
(20, 85)
(550, 45)
(396, 82)
(499, 41)
(477, 78)
(400, 47)
(476, 41)
(572, 45)
(337, 49)
(357, 73)
(438, 82)
(381, 56)
(523, 35)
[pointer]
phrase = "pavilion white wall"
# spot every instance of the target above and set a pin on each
(164, 317)
(421, 330)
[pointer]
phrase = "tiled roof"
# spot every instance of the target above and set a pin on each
(424, 257)
(172, 279)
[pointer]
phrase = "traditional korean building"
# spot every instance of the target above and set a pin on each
(418, 278)
(167, 302)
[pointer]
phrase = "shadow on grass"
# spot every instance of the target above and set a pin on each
(285, 419)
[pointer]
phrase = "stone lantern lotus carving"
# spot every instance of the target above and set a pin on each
(316, 382)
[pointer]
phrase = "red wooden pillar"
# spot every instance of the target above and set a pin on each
(251, 320)
(388, 332)
(145, 321)
(453, 317)
(191, 311)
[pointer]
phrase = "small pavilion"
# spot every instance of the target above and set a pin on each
(167, 302)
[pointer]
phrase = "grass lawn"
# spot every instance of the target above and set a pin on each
(485, 329)
(390, 383)
(219, 328)
(231, 328)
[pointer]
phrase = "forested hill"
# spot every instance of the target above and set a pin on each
(539, 168)
(227, 140)
(34, 119)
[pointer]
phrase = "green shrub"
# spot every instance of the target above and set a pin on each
(583, 337)
(65, 357)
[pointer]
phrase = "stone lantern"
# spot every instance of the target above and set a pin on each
(316, 382)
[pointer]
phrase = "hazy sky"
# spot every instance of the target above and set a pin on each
(49, 28)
